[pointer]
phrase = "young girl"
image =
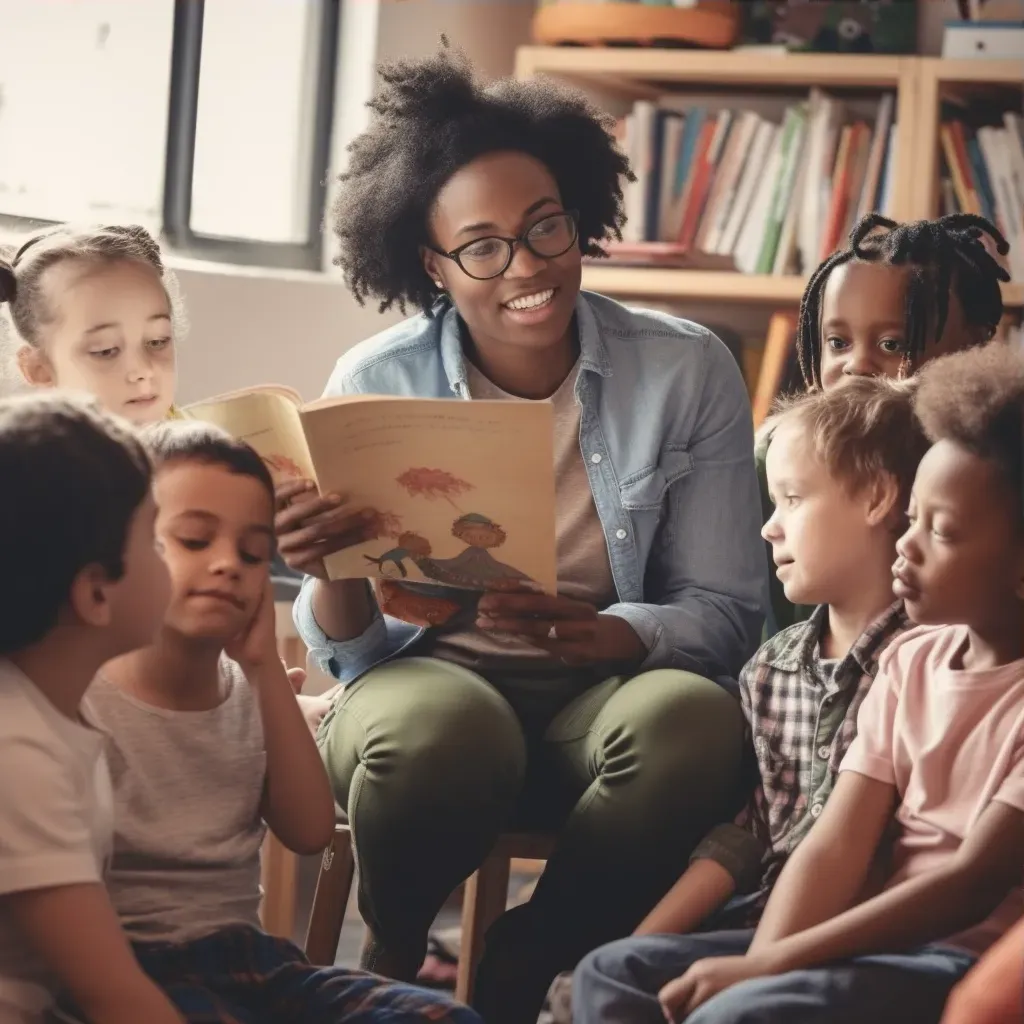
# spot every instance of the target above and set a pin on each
(94, 311)
(897, 296)
(207, 744)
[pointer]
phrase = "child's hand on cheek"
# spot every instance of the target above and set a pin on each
(256, 646)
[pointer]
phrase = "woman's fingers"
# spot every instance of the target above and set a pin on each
(297, 513)
(285, 493)
(534, 606)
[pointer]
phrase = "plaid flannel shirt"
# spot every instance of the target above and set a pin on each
(802, 719)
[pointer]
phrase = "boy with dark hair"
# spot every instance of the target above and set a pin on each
(210, 699)
(84, 585)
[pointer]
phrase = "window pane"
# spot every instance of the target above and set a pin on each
(255, 120)
(84, 90)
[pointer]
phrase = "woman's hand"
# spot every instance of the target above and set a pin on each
(706, 978)
(573, 631)
(309, 527)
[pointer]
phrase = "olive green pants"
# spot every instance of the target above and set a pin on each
(432, 762)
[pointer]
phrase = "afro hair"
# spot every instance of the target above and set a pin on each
(429, 119)
(976, 400)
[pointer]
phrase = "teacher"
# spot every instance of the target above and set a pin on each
(602, 712)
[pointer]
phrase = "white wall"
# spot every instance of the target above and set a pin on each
(249, 326)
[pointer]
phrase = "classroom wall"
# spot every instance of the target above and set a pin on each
(250, 326)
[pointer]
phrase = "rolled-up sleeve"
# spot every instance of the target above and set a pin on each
(706, 611)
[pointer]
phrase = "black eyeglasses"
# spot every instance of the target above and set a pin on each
(484, 258)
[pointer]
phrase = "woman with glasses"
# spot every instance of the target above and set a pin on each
(602, 712)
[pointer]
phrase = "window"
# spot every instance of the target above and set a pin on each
(208, 120)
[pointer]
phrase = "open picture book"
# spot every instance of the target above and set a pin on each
(462, 493)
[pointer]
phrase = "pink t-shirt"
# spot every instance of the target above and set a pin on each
(951, 741)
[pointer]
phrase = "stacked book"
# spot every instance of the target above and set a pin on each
(733, 188)
(983, 173)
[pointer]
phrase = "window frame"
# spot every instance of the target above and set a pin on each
(182, 121)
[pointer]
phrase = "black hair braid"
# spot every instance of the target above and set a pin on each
(942, 254)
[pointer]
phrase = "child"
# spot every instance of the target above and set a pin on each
(993, 991)
(899, 295)
(83, 584)
(207, 744)
(92, 311)
(841, 466)
(96, 311)
(938, 761)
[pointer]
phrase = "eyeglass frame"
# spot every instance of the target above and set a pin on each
(521, 239)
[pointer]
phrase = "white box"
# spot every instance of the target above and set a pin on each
(1003, 40)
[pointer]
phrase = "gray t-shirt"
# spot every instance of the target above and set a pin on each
(187, 826)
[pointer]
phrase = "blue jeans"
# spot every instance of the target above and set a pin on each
(620, 982)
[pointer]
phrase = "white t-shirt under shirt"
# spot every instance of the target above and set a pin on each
(952, 743)
(187, 792)
(56, 823)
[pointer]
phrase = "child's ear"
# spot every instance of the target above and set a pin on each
(883, 502)
(35, 367)
(90, 597)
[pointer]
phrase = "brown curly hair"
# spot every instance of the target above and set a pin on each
(976, 400)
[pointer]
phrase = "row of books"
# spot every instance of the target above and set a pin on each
(983, 173)
(736, 189)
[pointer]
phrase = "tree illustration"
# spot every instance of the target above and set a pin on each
(432, 484)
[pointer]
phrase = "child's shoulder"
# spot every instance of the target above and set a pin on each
(789, 648)
(919, 649)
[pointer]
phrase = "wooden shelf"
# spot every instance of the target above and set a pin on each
(991, 72)
(730, 68)
(714, 285)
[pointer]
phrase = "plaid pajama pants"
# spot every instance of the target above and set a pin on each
(243, 976)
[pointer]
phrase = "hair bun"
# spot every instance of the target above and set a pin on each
(438, 89)
(8, 282)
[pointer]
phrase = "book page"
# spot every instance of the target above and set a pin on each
(464, 491)
(268, 419)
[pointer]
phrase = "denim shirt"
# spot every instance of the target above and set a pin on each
(666, 433)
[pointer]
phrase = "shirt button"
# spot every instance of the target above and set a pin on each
(816, 810)
(595, 458)
(621, 534)
(823, 753)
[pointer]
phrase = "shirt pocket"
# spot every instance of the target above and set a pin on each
(644, 491)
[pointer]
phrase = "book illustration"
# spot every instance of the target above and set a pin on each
(420, 609)
(410, 545)
(463, 491)
(475, 568)
(282, 468)
(433, 484)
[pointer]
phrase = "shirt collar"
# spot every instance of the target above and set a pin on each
(793, 656)
(593, 353)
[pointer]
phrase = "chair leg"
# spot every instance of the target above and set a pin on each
(333, 887)
(483, 902)
(278, 868)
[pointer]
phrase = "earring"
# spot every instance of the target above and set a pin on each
(439, 286)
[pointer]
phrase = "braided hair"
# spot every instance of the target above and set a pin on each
(940, 254)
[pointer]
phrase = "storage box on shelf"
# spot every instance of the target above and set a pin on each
(619, 77)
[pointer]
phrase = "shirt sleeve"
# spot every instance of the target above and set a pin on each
(1011, 790)
(46, 838)
(871, 752)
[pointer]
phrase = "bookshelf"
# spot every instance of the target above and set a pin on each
(623, 75)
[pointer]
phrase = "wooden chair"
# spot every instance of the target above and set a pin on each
(484, 898)
(278, 865)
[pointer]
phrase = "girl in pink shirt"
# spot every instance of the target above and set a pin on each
(937, 766)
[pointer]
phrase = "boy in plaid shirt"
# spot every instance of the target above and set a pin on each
(840, 470)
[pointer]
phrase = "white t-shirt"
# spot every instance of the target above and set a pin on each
(188, 786)
(56, 824)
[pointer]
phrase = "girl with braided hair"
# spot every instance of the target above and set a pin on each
(896, 297)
